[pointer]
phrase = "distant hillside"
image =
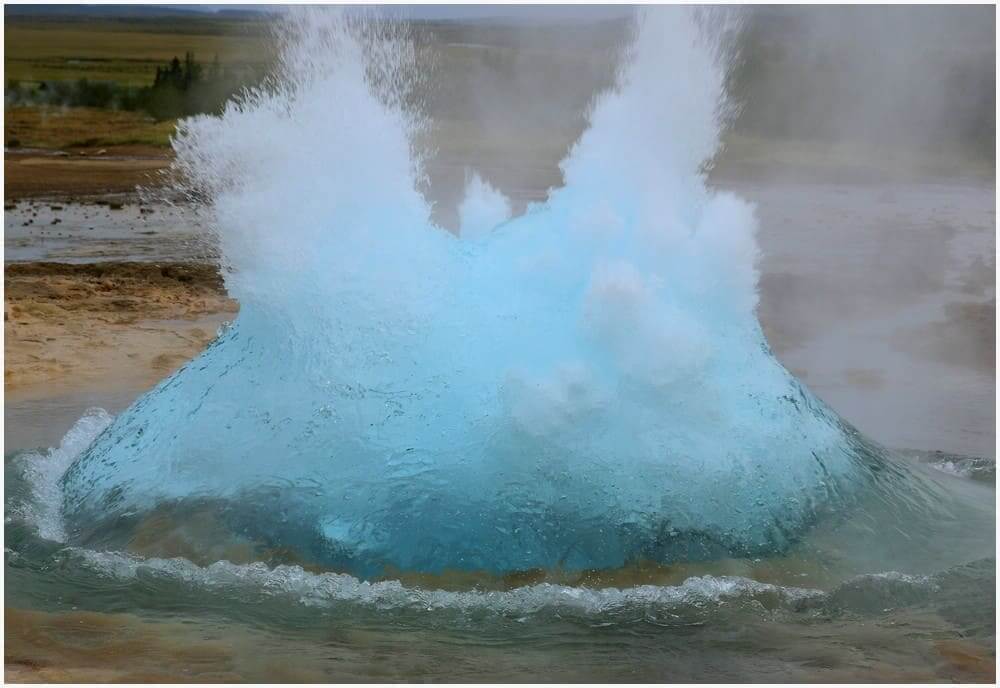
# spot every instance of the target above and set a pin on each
(15, 12)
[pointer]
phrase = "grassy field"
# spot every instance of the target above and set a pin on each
(60, 128)
(125, 51)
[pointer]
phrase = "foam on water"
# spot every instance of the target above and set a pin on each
(583, 386)
(41, 505)
(324, 589)
(697, 598)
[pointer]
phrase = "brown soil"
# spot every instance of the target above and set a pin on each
(133, 323)
(90, 647)
(84, 172)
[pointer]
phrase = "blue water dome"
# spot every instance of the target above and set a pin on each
(583, 386)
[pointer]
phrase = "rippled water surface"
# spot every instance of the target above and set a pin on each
(805, 615)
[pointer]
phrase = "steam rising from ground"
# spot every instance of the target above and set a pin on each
(583, 386)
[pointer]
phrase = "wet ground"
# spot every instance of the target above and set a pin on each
(112, 228)
(881, 298)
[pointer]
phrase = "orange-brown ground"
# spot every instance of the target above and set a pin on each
(71, 325)
(85, 172)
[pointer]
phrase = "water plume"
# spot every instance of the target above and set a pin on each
(482, 208)
(580, 387)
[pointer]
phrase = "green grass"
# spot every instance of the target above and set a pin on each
(59, 128)
(127, 52)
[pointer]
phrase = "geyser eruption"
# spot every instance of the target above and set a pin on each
(583, 386)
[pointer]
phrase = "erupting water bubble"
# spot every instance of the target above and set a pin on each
(583, 386)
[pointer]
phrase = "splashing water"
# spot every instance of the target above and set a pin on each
(583, 386)
(482, 209)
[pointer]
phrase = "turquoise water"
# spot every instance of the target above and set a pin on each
(922, 610)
